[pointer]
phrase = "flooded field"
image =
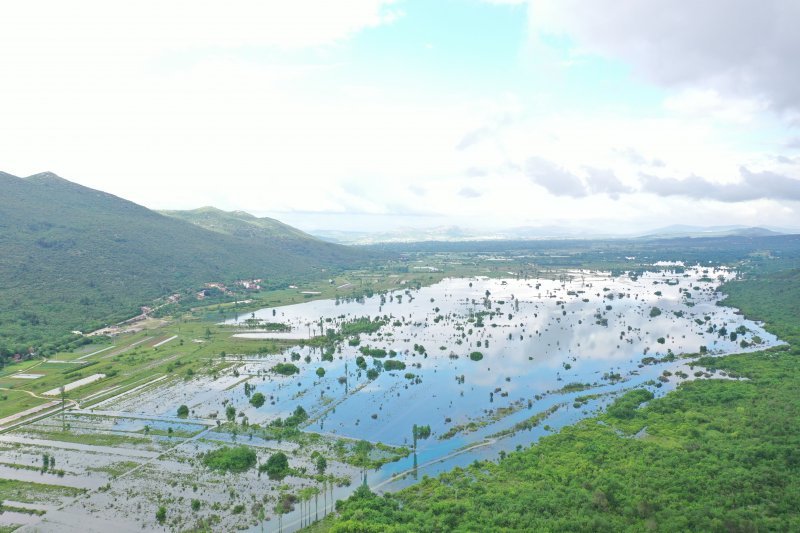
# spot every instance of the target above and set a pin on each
(476, 365)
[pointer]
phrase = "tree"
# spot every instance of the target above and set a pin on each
(321, 464)
(230, 413)
(257, 400)
(321, 372)
(276, 467)
(183, 411)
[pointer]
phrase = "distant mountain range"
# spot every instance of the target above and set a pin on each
(72, 258)
(457, 234)
(714, 231)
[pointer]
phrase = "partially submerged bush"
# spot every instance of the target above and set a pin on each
(226, 459)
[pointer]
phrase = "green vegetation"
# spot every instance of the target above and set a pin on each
(28, 492)
(574, 387)
(393, 364)
(276, 467)
(161, 514)
(81, 259)
(373, 352)
(257, 400)
(476, 356)
(625, 407)
(93, 439)
(285, 369)
(16, 401)
(360, 325)
(715, 455)
(226, 459)
(183, 411)
(287, 428)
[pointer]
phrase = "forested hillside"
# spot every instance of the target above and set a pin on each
(715, 455)
(241, 224)
(74, 258)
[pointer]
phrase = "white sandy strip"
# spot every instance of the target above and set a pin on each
(165, 341)
(74, 385)
(113, 450)
(94, 353)
(22, 414)
(129, 391)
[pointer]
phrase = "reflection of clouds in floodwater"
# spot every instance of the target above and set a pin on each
(561, 342)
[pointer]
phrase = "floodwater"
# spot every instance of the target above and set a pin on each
(562, 349)
(535, 336)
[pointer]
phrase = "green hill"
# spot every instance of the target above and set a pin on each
(240, 224)
(76, 258)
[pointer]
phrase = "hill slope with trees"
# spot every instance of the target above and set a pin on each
(74, 258)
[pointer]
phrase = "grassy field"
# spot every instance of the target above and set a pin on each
(12, 402)
(198, 345)
(28, 492)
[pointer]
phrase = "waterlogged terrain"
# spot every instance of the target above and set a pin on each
(479, 366)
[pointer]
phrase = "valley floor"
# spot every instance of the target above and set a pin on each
(715, 455)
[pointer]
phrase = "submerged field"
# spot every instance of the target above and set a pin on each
(386, 388)
(714, 455)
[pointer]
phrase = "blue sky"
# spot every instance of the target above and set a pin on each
(607, 115)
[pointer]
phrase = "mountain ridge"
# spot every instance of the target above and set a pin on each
(75, 258)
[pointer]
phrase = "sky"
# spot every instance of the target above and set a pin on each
(374, 115)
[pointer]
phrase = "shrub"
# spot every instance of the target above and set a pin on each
(276, 467)
(393, 364)
(285, 369)
(625, 407)
(257, 399)
(226, 459)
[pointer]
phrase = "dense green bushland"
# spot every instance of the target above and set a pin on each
(715, 455)
(73, 258)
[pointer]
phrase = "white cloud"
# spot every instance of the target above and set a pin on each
(251, 106)
(708, 103)
(741, 48)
